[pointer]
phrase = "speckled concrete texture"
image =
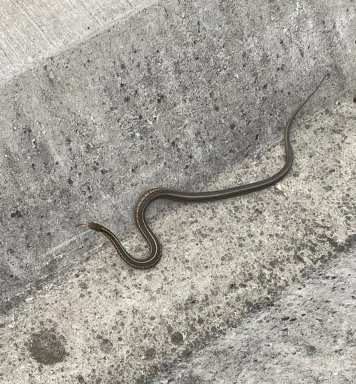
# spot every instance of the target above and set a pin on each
(31, 31)
(171, 95)
(307, 337)
(103, 322)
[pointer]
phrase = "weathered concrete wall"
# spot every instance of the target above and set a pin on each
(170, 95)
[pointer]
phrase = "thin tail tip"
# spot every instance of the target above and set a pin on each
(89, 225)
(86, 225)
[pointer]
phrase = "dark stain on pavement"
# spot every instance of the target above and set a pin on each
(47, 347)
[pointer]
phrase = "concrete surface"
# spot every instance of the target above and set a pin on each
(172, 93)
(187, 95)
(102, 322)
(31, 31)
(308, 336)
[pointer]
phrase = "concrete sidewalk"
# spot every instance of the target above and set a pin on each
(102, 322)
(32, 31)
(172, 93)
(100, 102)
(307, 337)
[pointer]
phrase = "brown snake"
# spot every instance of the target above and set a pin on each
(149, 196)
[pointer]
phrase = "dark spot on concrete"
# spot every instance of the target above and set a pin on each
(177, 338)
(141, 380)
(105, 345)
(232, 126)
(187, 352)
(83, 285)
(232, 286)
(150, 354)
(126, 99)
(160, 98)
(47, 347)
(310, 349)
(354, 99)
(80, 379)
(70, 181)
(16, 213)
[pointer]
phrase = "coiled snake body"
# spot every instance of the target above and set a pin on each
(155, 249)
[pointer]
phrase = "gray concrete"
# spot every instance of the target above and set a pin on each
(102, 322)
(171, 94)
(187, 95)
(31, 31)
(308, 336)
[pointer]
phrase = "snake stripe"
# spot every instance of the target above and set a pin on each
(155, 249)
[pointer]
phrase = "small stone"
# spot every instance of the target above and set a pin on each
(177, 338)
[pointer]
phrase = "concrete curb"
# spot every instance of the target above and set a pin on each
(191, 89)
(103, 322)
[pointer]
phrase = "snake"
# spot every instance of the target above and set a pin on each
(155, 247)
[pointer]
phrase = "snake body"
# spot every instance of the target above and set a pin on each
(155, 248)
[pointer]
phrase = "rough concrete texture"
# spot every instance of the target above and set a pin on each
(31, 31)
(103, 322)
(170, 95)
(309, 337)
